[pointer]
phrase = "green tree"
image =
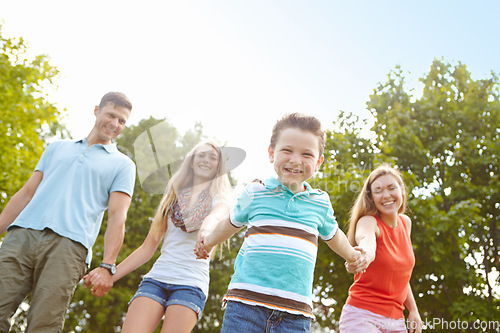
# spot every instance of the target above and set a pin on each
(27, 118)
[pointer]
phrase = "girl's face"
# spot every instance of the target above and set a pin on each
(205, 163)
(387, 194)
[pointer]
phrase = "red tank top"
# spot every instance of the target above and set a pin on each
(384, 286)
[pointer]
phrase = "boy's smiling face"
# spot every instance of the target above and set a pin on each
(295, 157)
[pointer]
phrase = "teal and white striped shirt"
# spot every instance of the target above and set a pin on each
(275, 265)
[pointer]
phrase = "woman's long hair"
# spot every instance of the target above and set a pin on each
(183, 178)
(364, 204)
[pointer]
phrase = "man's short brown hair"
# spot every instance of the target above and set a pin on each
(117, 99)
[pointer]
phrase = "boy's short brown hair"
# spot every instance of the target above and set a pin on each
(117, 99)
(300, 121)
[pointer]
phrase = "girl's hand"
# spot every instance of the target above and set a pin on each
(201, 250)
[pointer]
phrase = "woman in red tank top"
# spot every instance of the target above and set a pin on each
(378, 226)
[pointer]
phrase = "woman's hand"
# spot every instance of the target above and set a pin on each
(415, 323)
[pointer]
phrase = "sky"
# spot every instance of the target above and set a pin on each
(238, 66)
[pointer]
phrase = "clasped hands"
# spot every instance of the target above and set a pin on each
(100, 281)
(359, 265)
(201, 249)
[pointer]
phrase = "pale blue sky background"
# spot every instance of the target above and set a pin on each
(237, 66)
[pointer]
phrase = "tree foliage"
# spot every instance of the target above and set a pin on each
(27, 118)
(446, 143)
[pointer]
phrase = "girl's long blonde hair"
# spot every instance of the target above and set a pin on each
(219, 188)
(364, 204)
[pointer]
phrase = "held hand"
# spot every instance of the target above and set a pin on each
(91, 278)
(86, 280)
(354, 263)
(100, 280)
(415, 323)
(360, 265)
(201, 250)
(99, 291)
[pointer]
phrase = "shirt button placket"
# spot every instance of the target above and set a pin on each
(291, 204)
(82, 155)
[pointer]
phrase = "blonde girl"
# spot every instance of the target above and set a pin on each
(176, 287)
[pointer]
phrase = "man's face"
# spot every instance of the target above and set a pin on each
(110, 121)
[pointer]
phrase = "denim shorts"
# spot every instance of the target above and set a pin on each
(170, 294)
(240, 317)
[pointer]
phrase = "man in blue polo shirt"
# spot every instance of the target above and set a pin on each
(54, 219)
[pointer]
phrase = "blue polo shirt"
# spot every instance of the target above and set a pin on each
(74, 192)
(275, 265)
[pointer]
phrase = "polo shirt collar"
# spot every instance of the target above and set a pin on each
(272, 183)
(111, 148)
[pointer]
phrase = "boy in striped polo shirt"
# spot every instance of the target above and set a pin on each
(274, 269)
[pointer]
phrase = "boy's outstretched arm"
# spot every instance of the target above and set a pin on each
(340, 245)
(215, 229)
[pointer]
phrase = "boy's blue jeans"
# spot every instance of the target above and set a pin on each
(240, 317)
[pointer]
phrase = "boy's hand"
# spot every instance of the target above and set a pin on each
(201, 250)
(356, 257)
(360, 264)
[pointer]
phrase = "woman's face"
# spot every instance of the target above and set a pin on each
(387, 194)
(205, 163)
